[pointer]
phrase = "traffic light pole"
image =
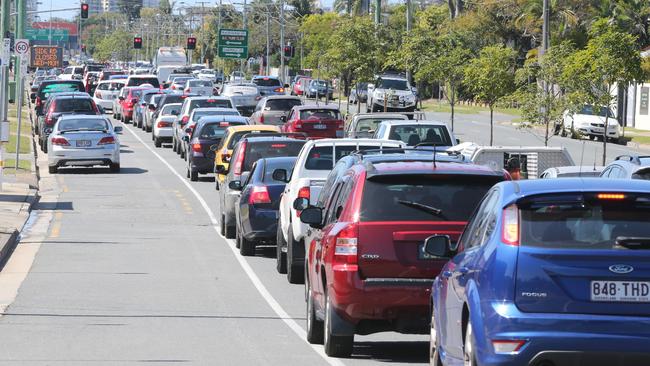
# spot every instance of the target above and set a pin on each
(282, 73)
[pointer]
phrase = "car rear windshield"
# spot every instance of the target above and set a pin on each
(281, 104)
(238, 135)
(181, 80)
(273, 164)
(200, 114)
(74, 105)
(95, 67)
(267, 82)
(320, 157)
(585, 221)
(170, 108)
(83, 124)
(201, 83)
(270, 149)
(136, 93)
(48, 89)
(367, 124)
(139, 81)
(319, 114)
(112, 86)
(216, 130)
(418, 134)
(205, 103)
(423, 197)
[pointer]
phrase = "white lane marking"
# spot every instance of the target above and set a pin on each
(275, 306)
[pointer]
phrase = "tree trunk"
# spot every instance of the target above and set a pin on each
(451, 97)
(492, 125)
(546, 123)
(605, 135)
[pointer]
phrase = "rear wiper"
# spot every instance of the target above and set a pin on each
(633, 242)
(84, 130)
(425, 208)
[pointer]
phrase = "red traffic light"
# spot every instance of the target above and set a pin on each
(84, 11)
(191, 43)
(137, 42)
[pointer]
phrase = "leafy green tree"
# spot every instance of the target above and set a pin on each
(542, 91)
(611, 59)
(490, 77)
(116, 45)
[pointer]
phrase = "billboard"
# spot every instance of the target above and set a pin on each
(46, 56)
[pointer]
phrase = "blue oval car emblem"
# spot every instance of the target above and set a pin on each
(621, 268)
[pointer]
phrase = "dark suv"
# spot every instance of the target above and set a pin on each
(48, 87)
(366, 268)
(58, 105)
(248, 150)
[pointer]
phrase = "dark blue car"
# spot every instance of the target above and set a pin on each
(257, 209)
(547, 272)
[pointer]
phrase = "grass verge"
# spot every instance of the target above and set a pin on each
(23, 166)
(432, 105)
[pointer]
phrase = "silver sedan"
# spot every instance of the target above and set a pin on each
(83, 140)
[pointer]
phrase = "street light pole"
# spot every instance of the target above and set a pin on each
(282, 72)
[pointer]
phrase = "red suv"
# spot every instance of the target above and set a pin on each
(366, 268)
(128, 100)
(316, 122)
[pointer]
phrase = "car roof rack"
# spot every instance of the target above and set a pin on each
(405, 154)
(635, 159)
(298, 135)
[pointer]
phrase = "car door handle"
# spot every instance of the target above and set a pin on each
(446, 274)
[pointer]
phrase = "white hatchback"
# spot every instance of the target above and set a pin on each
(163, 127)
(107, 91)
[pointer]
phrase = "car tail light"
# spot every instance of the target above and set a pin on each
(610, 196)
(98, 95)
(345, 249)
(279, 90)
(108, 140)
(196, 147)
(239, 164)
(507, 346)
(259, 195)
(185, 119)
(162, 124)
(297, 125)
(510, 225)
(38, 101)
(303, 192)
(188, 90)
(60, 141)
(261, 118)
(258, 97)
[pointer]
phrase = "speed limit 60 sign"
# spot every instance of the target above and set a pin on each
(21, 46)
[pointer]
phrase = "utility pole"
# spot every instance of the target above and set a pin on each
(245, 23)
(268, 43)
(203, 44)
(409, 21)
(377, 12)
(282, 72)
(545, 27)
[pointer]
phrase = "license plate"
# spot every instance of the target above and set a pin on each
(83, 143)
(422, 254)
(620, 291)
(320, 127)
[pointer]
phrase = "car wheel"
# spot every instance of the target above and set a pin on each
(182, 152)
(44, 147)
(148, 128)
(114, 167)
(222, 226)
(335, 345)
(314, 325)
(157, 142)
(246, 247)
(194, 175)
(468, 348)
(280, 256)
(173, 144)
(295, 274)
(52, 169)
(563, 132)
(229, 230)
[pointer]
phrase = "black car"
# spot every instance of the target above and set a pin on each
(205, 137)
(248, 150)
(48, 87)
(256, 212)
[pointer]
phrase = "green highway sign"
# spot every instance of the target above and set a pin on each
(58, 35)
(233, 43)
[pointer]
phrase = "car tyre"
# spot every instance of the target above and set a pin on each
(193, 175)
(246, 247)
(52, 169)
(295, 273)
(114, 167)
(335, 345)
(315, 333)
(222, 226)
(157, 142)
(469, 357)
(174, 145)
(182, 153)
(229, 230)
(148, 128)
(280, 257)
(44, 147)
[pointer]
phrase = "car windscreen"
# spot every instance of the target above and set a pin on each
(319, 114)
(112, 86)
(417, 197)
(74, 105)
(205, 103)
(267, 82)
(48, 89)
(216, 130)
(396, 84)
(83, 124)
(367, 125)
(584, 221)
(170, 108)
(197, 115)
(419, 134)
(320, 157)
(139, 81)
(270, 149)
(200, 84)
(284, 105)
(273, 164)
(95, 67)
(596, 111)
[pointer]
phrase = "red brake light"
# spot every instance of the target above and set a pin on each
(279, 90)
(185, 119)
(108, 140)
(161, 124)
(261, 118)
(239, 164)
(611, 196)
(224, 124)
(211, 100)
(196, 147)
(259, 194)
(38, 101)
(278, 146)
(345, 250)
(510, 225)
(188, 90)
(60, 141)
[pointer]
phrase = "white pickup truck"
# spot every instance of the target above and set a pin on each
(313, 164)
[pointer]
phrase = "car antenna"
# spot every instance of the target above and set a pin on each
(582, 155)
(434, 156)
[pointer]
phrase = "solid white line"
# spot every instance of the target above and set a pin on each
(270, 300)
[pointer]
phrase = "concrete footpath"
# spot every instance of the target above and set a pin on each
(16, 201)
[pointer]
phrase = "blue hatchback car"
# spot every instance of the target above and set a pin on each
(547, 273)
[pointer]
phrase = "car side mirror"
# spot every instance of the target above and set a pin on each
(188, 131)
(214, 148)
(235, 185)
(286, 85)
(186, 139)
(283, 119)
(117, 129)
(438, 246)
(120, 98)
(280, 175)
(313, 216)
(220, 169)
(457, 141)
(301, 203)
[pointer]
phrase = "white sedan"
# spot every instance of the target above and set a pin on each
(163, 127)
(83, 140)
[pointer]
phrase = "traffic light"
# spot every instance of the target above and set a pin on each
(84, 11)
(191, 43)
(288, 51)
(137, 43)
